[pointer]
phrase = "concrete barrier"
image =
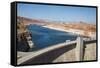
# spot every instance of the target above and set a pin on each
(78, 50)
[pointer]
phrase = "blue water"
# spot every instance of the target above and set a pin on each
(44, 37)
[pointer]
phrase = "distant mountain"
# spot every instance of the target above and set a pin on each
(28, 21)
(80, 25)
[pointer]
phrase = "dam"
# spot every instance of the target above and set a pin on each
(51, 46)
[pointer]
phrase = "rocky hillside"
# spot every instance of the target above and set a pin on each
(83, 28)
(80, 26)
(28, 21)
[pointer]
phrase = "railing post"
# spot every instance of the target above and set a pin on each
(79, 49)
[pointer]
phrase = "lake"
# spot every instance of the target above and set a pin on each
(43, 37)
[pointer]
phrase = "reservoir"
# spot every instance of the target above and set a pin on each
(43, 37)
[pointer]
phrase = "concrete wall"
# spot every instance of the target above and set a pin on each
(89, 53)
(73, 52)
(67, 56)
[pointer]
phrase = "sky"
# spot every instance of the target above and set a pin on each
(57, 13)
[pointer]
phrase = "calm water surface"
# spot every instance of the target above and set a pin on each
(44, 37)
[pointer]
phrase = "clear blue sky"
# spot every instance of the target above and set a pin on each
(57, 13)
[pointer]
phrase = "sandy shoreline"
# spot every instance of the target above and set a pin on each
(74, 31)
